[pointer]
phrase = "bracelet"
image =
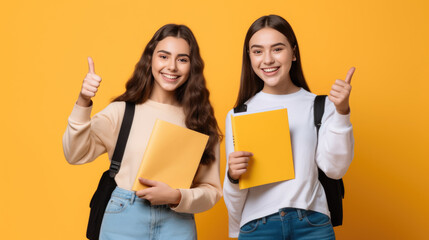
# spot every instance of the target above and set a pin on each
(234, 181)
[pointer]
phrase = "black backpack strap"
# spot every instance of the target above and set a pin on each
(241, 108)
(115, 163)
(334, 189)
(319, 109)
(107, 182)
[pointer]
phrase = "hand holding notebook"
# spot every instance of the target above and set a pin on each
(158, 193)
(237, 164)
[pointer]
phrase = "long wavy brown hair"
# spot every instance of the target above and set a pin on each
(192, 95)
(250, 83)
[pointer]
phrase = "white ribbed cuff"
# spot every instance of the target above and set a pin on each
(81, 114)
(340, 122)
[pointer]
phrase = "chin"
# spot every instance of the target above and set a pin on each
(170, 88)
(271, 82)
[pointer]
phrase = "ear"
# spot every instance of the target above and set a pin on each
(294, 56)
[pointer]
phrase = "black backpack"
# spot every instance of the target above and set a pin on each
(334, 189)
(107, 182)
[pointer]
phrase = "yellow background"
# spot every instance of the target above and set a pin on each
(43, 50)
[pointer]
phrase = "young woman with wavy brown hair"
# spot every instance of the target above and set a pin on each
(272, 76)
(168, 84)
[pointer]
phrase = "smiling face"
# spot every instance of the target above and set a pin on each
(171, 65)
(271, 58)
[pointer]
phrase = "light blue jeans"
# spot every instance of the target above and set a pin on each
(289, 224)
(128, 217)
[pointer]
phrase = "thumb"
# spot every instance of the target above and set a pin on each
(91, 65)
(350, 75)
(147, 182)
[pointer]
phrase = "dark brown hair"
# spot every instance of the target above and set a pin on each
(192, 95)
(250, 83)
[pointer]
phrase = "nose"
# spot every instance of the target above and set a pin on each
(268, 58)
(172, 65)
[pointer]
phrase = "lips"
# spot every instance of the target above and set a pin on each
(270, 71)
(169, 77)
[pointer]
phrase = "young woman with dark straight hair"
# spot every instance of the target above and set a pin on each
(167, 84)
(272, 76)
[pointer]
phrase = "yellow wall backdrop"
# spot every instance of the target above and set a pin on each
(43, 50)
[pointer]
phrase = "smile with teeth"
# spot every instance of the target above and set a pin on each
(170, 76)
(268, 70)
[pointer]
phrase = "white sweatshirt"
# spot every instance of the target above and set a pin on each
(334, 155)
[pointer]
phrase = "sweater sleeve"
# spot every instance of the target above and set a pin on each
(234, 197)
(85, 138)
(205, 191)
(335, 149)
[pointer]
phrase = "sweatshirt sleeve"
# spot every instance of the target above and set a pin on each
(234, 197)
(85, 138)
(205, 191)
(335, 149)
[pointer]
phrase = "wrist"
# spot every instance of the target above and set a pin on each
(343, 112)
(83, 102)
(177, 196)
(232, 180)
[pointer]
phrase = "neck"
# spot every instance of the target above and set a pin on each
(165, 97)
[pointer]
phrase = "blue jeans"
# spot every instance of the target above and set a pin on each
(289, 224)
(128, 217)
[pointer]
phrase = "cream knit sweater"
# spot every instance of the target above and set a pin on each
(87, 138)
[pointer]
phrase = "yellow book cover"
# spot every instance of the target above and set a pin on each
(265, 134)
(172, 156)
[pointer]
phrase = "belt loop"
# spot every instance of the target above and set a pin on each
(299, 214)
(133, 197)
(264, 220)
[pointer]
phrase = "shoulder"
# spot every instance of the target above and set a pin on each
(306, 95)
(229, 114)
(329, 106)
(115, 106)
(113, 109)
(113, 113)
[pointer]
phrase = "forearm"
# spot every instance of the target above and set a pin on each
(234, 197)
(80, 143)
(336, 146)
(198, 199)
(205, 191)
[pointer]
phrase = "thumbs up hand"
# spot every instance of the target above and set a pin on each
(340, 93)
(89, 86)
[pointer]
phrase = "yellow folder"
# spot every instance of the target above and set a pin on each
(265, 134)
(172, 155)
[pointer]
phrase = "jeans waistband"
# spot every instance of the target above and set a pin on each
(132, 197)
(291, 210)
(287, 213)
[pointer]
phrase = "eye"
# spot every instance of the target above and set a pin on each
(277, 49)
(257, 52)
(163, 56)
(183, 60)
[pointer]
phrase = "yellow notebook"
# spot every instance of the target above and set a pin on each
(172, 156)
(265, 134)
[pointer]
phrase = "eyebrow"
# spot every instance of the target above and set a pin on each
(274, 45)
(169, 53)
